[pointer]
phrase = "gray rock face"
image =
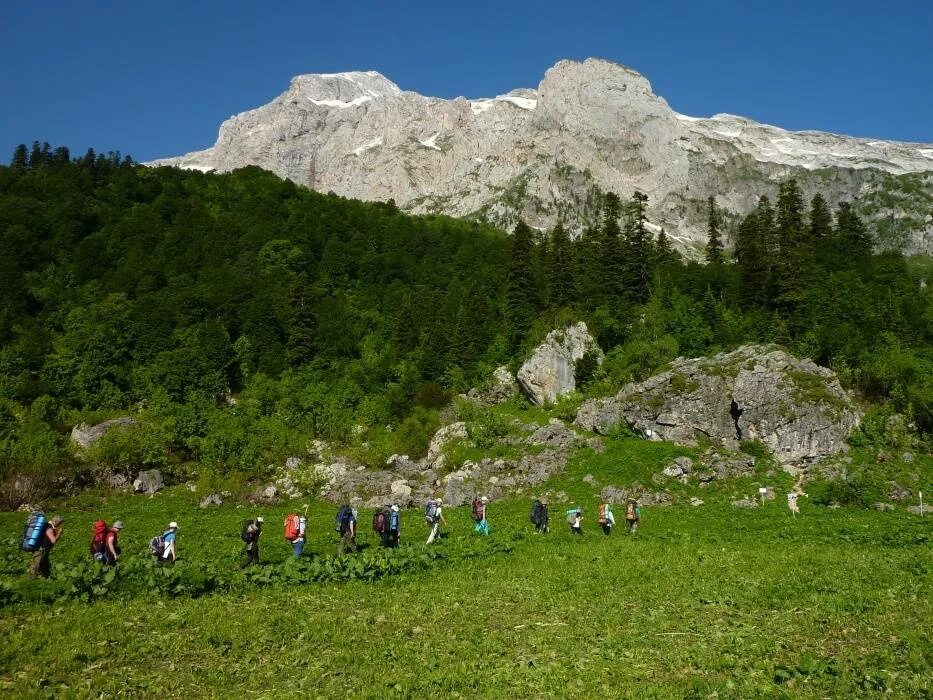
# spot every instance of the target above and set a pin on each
(148, 482)
(84, 435)
(745, 503)
(588, 124)
(549, 372)
(796, 408)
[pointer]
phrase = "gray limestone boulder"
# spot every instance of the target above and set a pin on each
(501, 387)
(554, 434)
(745, 503)
(149, 482)
(549, 372)
(84, 435)
(213, 499)
(795, 407)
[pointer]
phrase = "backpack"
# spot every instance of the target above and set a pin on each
(393, 521)
(99, 537)
(157, 546)
(478, 510)
(630, 512)
(32, 535)
(430, 512)
(538, 513)
(379, 522)
(572, 516)
(246, 534)
(342, 521)
(602, 513)
(292, 526)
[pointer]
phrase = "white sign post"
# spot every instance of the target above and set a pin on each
(761, 492)
(920, 493)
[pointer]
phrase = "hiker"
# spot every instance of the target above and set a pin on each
(606, 519)
(632, 515)
(434, 515)
(163, 546)
(575, 520)
(381, 520)
(41, 566)
(792, 497)
(252, 531)
(112, 544)
(295, 526)
(346, 518)
(394, 527)
(539, 516)
(479, 515)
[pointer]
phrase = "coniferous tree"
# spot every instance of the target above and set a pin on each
(613, 254)
(20, 159)
(663, 251)
(521, 293)
(821, 220)
(853, 239)
(560, 268)
(637, 249)
(714, 250)
(753, 255)
(794, 255)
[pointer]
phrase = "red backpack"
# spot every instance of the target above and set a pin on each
(292, 526)
(602, 513)
(99, 538)
(478, 509)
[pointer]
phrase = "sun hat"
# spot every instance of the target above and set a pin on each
(484, 499)
(57, 519)
(173, 525)
(260, 520)
(118, 525)
(395, 508)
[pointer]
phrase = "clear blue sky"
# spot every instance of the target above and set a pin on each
(155, 79)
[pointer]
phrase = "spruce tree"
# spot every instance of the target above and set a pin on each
(638, 253)
(560, 268)
(20, 159)
(714, 250)
(794, 254)
(821, 220)
(853, 239)
(521, 293)
(753, 255)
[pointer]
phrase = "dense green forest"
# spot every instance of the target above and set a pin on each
(239, 316)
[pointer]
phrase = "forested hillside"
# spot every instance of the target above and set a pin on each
(239, 316)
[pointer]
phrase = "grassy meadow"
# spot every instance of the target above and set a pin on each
(707, 601)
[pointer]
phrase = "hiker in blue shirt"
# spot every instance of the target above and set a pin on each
(168, 537)
(394, 526)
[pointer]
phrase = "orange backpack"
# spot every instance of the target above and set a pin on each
(292, 526)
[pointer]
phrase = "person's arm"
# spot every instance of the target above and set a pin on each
(53, 533)
(111, 546)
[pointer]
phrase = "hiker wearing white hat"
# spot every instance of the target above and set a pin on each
(434, 515)
(252, 530)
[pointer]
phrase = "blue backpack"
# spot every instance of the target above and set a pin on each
(430, 512)
(342, 521)
(32, 535)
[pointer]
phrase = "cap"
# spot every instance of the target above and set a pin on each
(484, 499)
(395, 508)
(260, 520)
(57, 519)
(173, 525)
(118, 525)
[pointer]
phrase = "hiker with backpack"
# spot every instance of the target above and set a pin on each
(112, 544)
(607, 520)
(252, 531)
(39, 538)
(381, 519)
(575, 521)
(434, 516)
(162, 547)
(539, 516)
(479, 515)
(395, 526)
(295, 526)
(346, 525)
(632, 515)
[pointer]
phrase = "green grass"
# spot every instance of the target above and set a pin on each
(703, 600)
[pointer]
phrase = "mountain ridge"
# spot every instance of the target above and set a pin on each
(540, 154)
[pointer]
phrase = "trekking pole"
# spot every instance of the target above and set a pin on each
(920, 493)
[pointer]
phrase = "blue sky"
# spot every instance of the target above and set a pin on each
(156, 79)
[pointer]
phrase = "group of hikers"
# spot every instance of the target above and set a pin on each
(41, 534)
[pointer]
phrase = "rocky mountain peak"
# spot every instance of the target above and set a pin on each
(540, 155)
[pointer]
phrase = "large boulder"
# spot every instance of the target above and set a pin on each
(148, 482)
(84, 435)
(795, 407)
(549, 372)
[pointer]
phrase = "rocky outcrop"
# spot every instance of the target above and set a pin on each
(796, 408)
(501, 387)
(549, 372)
(536, 154)
(84, 435)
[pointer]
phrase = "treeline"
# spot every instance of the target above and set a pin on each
(239, 315)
